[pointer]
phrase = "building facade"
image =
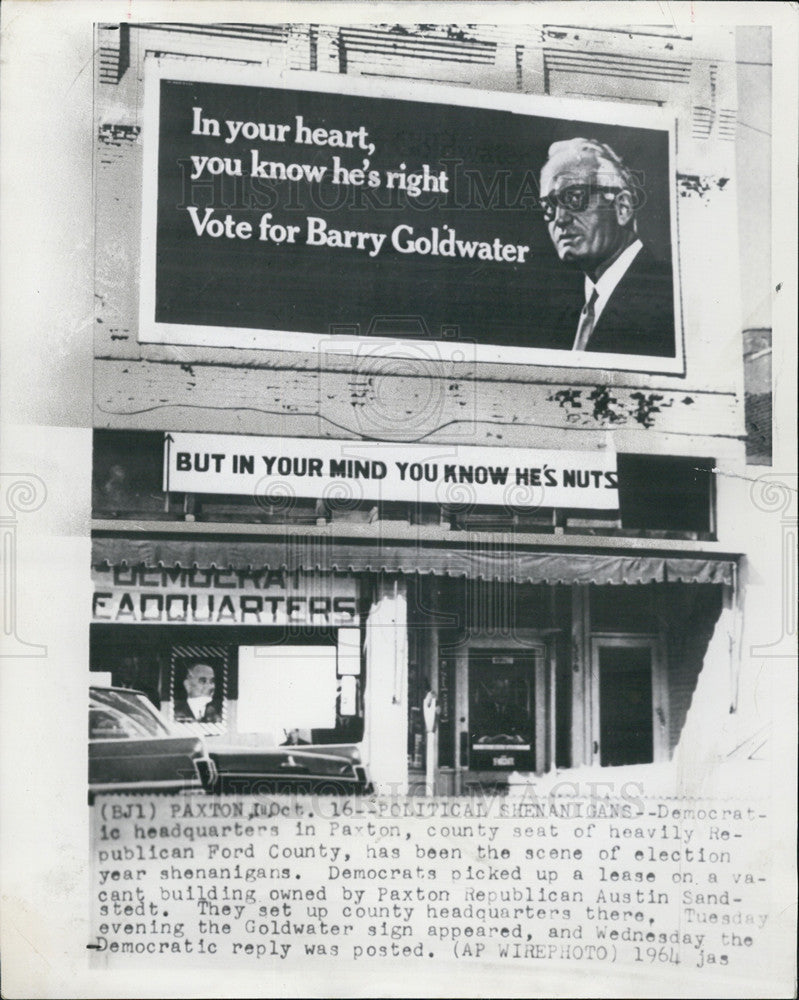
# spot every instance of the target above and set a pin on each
(554, 635)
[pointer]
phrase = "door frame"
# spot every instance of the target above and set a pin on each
(523, 640)
(660, 690)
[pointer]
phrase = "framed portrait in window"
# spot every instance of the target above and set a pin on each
(199, 687)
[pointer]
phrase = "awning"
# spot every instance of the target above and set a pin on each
(311, 553)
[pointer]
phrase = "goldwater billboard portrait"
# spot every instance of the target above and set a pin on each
(281, 210)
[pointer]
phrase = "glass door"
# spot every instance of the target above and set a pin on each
(502, 709)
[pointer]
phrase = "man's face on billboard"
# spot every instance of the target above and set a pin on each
(583, 213)
(200, 681)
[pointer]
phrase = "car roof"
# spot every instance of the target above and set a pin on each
(114, 687)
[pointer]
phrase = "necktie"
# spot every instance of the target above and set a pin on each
(586, 325)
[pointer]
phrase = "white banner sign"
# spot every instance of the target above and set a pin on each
(365, 470)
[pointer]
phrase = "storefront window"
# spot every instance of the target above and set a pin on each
(667, 493)
(131, 662)
(256, 686)
(286, 692)
(300, 695)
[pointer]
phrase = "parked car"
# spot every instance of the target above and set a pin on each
(133, 748)
(334, 770)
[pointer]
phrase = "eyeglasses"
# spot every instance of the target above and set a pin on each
(574, 198)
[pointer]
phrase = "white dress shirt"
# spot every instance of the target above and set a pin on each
(198, 705)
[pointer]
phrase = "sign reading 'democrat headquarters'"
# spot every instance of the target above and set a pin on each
(361, 470)
(181, 595)
(316, 212)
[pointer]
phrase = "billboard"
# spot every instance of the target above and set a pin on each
(281, 212)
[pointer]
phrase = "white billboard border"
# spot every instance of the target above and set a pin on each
(602, 112)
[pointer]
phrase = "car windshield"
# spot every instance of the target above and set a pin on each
(123, 715)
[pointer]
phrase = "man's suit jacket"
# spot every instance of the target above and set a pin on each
(638, 318)
(182, 712)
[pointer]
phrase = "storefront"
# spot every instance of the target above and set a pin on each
(233, 649)
(539, 659)
(536, 677)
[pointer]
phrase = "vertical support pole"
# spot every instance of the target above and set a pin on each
(387, 687)
(430, 711)
(431, 632)
(582, 750)
(541, 738)
(552, 714)
(431, 646)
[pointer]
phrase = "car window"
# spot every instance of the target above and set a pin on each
(123, 715)
(108, 725)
